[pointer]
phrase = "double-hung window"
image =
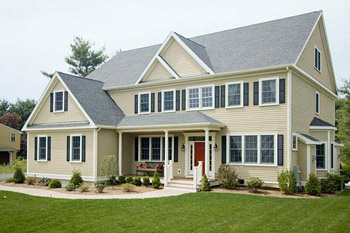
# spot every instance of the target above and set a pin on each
(193, 98)
(153, 148)
(317, 103)
(59, 101)
(145, 148)
(76, 148)
(321, 156)
(156, 149)
(269, 89)
(236, 149)
(42, 148)
(200, 97)
(251, 149)
(169, 101)
(13, 137)
(207, 97)
(234, 97)
(144, 103)
(317, 59)
(267, 148)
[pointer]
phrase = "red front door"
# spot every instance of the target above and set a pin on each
(199, 154)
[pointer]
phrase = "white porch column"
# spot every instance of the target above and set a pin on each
(186, 156)
(308, 161)
(207, 152)
(120, 157)
(166, 162)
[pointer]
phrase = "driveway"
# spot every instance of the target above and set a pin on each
(5, 176)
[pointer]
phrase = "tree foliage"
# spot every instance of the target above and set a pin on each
(11, 119)
(23, 108)
(109, 166)
(4, 106)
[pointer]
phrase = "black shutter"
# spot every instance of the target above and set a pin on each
(282, 91)
(256, 93)
(49, 148)
(332, 156)
(83, 153)
(183, 100)
(68, 148)
(223, 96)
(136, 104)
(159, 101)
(136, 149)
(176, 149)
(152, 102)
(177, 100)
(246, 94)
(217, 97)
(66, 101)
(223, 149)
(51, 102)
(35, 148)
(280, 150)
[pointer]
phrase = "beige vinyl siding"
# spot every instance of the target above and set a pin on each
(44, 115)
(59, 164)
(302, 161)
(107, 145)
(5, 140)
(181, 61)
(307, 58)
(158, 72)
(128, 152)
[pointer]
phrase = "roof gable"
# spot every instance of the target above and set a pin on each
(158, 72)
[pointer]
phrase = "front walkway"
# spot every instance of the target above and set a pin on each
(53, 194)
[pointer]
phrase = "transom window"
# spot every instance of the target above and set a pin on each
(13, 137)
(144, 103)
(76, 148)
(42, 148)
(317, 59)
(153, 148)
(234, 95)
(200, 97)
(168, 101)
(321, 156)
(59, 101)
(269, 91)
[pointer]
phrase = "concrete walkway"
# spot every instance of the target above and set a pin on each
(53, 194)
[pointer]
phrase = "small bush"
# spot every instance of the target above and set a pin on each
(145, 181)
(328, 186)
(137, 181)
(100, 186)
(30, 180)
(121, 179)
(129, 180)
(254, 184)
(18, 177)
(84, 188)
(287, 182)
(113, 180)
(337, 179)
(70, 187)
(128, 187)
(9, 180)
(205, 183)
(345, 172)
(76, 178)
(155, 180)
(55, 184)
(44, 181)
(313, 186)
(227, 176)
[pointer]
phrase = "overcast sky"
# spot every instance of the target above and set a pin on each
(35, 35)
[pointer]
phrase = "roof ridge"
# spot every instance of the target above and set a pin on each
(75, 76)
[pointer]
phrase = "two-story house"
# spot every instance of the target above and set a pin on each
(10, 144)
(260, 98)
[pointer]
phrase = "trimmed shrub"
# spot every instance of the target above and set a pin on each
(337, 179)
(287, 182)
(84, 188)
(313, 186)
(9, 180)
(30, 180)
(70, 187)
(55, 184)
(128, 187)
(113, 180)
(137, 181)
(145, 181)
(254, 184)
(129, 180)
(328, 186)
(100, 186)
(121, 179)
(205, 183)
(44, 181)
(227, 176)
(18, 177)
(155, 180)
(76, 178)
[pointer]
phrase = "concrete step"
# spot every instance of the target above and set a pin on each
(185, 189)
(175, 184)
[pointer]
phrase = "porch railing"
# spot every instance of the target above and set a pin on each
(169, 172)
(197, 174)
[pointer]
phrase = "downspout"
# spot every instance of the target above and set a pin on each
(289, 119)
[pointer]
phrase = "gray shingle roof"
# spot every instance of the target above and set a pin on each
(272, 43)
(7, 149)
(309, 137)
(59, 125)
(174, 118)
(97, 103)
(318, 122)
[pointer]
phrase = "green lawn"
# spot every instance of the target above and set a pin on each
(9, 169)
(199, 212)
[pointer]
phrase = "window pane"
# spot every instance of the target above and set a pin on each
(168, 100)
(294, 142)
(234, 94)
(144, 102)
(155, 148)
(170, 145)
(320, 156)
(251, 149)
(59, 101)
(268, 91)
(267, 148)
(236, 149)
(13, 137)
(42, 148)
(193, 98)
(207, 97)
(76, 148)
(145, 148)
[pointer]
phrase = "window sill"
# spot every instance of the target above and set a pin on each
(76, 162)
(321, 169)
(269, 104)
(42, 161)
(319, 71)
(199, 109)
(253, 165)
(142, 113)
(61, 111)
(238, 106)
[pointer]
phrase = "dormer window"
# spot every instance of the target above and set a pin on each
(317, 59)
(59, 101)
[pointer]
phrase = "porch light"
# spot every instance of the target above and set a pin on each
(216, 147)
(183, 147)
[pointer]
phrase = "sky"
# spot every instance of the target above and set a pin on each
(35, 35)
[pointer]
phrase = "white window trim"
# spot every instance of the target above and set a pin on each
(319, 103)
(295, 148)
(174, 100)
(11, 137)
(150, 147)
(277, 91)
(241, 95)
(319, 70)
(71, 148)
(149, 102)
(259, 148)
(38, 150)
(200, 97)
(325, 157)
(54, 101)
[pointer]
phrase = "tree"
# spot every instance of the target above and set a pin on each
(343, 122)
(109, 166)
(23, 108)
(4, 106)
(11, 119)
(49, 75)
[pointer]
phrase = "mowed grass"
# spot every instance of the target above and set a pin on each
(199, 212)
